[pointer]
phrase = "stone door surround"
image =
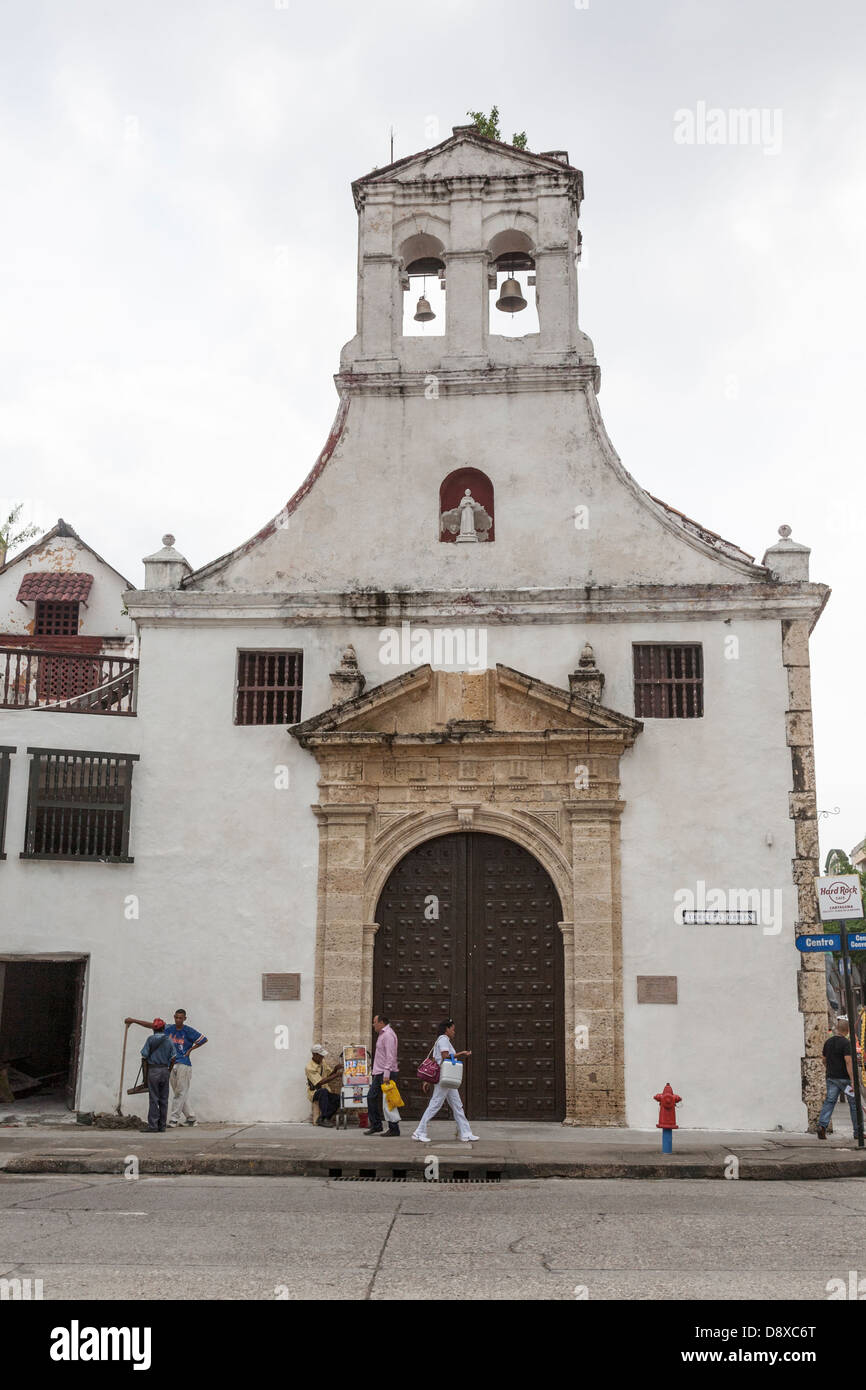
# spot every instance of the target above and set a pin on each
(433, 751)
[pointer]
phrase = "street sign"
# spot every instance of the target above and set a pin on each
(857, 941)
(828, 942)
(839, 897)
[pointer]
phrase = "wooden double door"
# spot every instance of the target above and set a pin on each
(468, 929)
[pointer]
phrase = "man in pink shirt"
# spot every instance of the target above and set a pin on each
(384, 1069)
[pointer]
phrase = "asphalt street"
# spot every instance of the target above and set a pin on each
(275, 1238)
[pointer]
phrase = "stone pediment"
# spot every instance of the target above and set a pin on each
(467, 154)
(434, 706)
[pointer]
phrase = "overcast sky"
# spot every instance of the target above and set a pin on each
(178, 241)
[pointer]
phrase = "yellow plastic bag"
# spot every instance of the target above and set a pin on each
(392, 1096)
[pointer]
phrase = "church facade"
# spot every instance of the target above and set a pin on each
(475, 725)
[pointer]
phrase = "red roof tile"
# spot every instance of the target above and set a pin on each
(55, 587)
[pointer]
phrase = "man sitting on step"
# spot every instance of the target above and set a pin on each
(323, 1089)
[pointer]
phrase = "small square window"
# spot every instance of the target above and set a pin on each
(56, 619)
(668, 681)
(270, 687)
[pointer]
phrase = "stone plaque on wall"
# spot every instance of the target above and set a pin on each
(656, 989)
(281, 986)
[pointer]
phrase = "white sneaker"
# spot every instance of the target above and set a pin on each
(468, 1138)
(421, 1138)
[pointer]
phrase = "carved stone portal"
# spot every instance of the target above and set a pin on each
(410, 738)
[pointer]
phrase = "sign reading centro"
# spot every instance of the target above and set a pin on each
(839, 897)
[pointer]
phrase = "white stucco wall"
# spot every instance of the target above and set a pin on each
(546, 454)
(225, 870)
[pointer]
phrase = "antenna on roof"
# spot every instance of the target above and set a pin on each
(392, 145)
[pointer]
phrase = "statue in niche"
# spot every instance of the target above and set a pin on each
(468, 521)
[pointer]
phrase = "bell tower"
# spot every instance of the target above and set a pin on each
(489, 227)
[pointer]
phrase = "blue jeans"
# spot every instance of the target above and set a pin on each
(835, 1087)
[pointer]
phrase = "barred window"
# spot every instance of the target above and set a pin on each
(55, 619)
(5, 754)
(668, 681)
(78, 806)
(270, 685)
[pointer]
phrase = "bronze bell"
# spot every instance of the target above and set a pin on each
(423, 313)
(511, 299)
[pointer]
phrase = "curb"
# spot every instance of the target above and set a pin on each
(471, 1168)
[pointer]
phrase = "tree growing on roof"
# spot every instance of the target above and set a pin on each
(488, 126)
(11, 534)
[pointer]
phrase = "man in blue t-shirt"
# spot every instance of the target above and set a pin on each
(185, 1040)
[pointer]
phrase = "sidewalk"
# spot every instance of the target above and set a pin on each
(513, 1150)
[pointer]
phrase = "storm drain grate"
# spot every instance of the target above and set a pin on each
(451, 1180)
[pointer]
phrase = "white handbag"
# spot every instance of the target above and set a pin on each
(450, 1073)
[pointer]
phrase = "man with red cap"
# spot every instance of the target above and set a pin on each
(158, 1057)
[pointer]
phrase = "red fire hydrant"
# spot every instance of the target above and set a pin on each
(668, 1101)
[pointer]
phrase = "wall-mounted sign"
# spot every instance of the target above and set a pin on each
(656, 989)
(720, 917)
(839, 897)
(281, 987)
(830, 941)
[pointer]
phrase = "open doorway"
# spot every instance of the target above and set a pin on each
(41, 1016)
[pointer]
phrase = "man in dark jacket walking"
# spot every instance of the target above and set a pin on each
(840, 1077)
(158, 1057)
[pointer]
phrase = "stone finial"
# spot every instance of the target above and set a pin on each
(166, 568)
(347, 682)
(788, 561)
(587, 681)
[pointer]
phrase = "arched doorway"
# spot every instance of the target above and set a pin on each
(469, 927)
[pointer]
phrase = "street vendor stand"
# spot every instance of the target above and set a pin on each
(355, 1084)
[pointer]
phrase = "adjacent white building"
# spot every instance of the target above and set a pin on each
(474, 725)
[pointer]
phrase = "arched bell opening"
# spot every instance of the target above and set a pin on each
(511, 284)
(423, 282)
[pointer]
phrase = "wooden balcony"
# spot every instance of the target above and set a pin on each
(67, 682)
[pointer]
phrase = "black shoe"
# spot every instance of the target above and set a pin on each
(369, 1132)
(393, 1134)
(821, 1132)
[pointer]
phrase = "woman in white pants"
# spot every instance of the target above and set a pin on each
(444, 1047)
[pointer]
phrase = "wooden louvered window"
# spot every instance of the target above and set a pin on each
(270, 686)
(78, 805)
(5, 754)
(668, 681)
(55, 619)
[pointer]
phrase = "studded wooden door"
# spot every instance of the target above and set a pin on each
(468, 929)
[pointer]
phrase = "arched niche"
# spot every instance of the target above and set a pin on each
(454, 487)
